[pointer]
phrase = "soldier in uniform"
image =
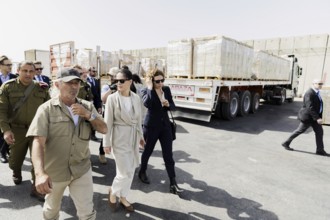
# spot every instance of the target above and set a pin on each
(19, 101)
(85, 91)
(5, 75)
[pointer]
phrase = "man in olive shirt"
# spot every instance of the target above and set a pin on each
(60, 153)
(5, 75)
(85, 91)
(19, 101)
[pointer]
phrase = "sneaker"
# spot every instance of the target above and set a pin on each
(102, 159)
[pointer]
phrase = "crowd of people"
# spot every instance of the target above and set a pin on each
(54, 119)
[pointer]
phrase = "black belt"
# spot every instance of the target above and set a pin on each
(19, 126)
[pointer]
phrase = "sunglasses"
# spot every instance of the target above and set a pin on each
(159, 81)
(39, 69)
(320, 84)
(122, 81)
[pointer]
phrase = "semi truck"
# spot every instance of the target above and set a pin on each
(226, 78)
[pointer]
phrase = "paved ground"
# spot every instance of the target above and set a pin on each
(229, 170)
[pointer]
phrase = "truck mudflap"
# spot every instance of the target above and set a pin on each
(192, 114)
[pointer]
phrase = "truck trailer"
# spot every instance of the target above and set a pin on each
(226, 78)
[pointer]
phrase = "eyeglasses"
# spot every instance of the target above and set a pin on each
(122, 81)
(39, 69)
(6, 64)
(320, 84)
(159, 81)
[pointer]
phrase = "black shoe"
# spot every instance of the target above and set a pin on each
(3, 158)
(144, 178)
(175, 189)
(322, 153)
(17, 177)
(94, 138)
(287, 147)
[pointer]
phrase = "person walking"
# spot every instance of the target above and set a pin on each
(96, 91)
(123, 117)
(61, 132)
(39, 76)
(19, 101)
(310, 115)
(5, 75)
(157, 98)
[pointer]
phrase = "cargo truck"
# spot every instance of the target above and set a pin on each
(226, 78)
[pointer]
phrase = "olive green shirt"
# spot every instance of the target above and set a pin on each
(10, 93)
(85, 91)
(66, 153)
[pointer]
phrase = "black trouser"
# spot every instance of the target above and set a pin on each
(4, 147)
(101, 150)
(303, 126)
(163, 134)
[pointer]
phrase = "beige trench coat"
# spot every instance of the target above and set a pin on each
(124, 128)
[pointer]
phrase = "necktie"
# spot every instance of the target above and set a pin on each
(39, 78)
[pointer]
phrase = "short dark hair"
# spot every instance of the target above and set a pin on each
(25, 62)
(3, 58)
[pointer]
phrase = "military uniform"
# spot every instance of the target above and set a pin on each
(18, 122)
(85, 91)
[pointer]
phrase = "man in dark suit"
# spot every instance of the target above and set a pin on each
(5, 75)
(96, 90)
(39, 77)
(310, 115)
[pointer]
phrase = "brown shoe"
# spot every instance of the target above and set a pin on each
(17, 177)
(129, 208)
(36, 194)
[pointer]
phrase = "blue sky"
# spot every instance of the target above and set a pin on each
(130, 24)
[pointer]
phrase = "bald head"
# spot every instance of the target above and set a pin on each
(317, 84)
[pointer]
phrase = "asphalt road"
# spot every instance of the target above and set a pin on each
(229, 170)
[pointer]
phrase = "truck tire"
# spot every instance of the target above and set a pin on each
(230, 109)
(255, 102)
(282, 99)
(244, 103)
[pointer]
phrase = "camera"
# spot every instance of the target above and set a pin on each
(113, 87)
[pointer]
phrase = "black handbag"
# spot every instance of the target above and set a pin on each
(173, 126)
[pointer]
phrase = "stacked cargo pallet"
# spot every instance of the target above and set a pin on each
(219, 57)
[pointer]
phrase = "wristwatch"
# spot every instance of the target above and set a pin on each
(93, 117)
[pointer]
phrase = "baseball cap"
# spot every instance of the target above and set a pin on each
(113, 71)
(68, 74)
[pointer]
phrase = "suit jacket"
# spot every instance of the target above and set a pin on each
(45, 79)
(311, 107)
(11, 76)
(96, 90)
(156, 114)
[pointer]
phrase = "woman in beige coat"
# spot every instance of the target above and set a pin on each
(123, 117)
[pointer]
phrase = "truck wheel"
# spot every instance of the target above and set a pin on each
(230, 109)
(244, 103)
(255, 102)
(282, 99)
